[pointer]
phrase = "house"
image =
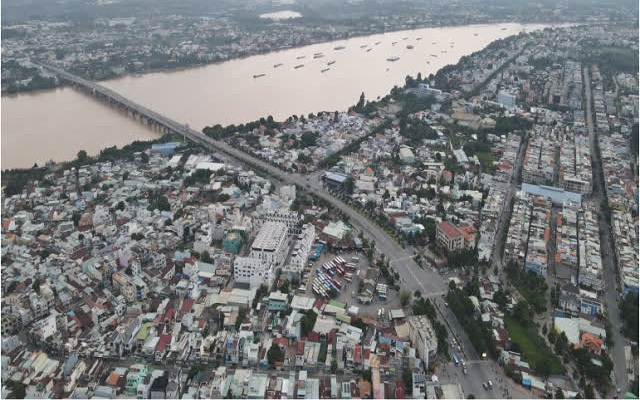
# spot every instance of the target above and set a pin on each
(569, 299)
(278, 301)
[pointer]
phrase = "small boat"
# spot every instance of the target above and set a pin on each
(339, 48)
(393, 43)
(363, 46)
(475, 34)
(405, 38)
(387, 69)
(318, 56)
(377, 43)
(394, 58)
(434, 55)
(325, 70)
(368, 50)
(433, 42)
(277, 65)
(300, 58)
(503, 29)
(259, 75)
(409, 47)
(298, 66)
(419, 38)
(443, 51)
(331, 62)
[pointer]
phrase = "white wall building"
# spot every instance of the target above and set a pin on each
(268, 253)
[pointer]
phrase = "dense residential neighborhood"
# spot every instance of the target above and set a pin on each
(167, 272)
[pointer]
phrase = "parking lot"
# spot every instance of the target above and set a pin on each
(349, 292)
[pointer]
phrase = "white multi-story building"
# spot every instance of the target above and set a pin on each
(253, 271)
(268, 253)
(271, 243)
(290, 218)
(423, 337)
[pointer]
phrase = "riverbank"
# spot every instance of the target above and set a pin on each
(226, 93)
(178, 68)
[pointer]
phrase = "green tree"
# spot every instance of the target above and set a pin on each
(82, 157)
(629, 314)
(275, 355)
(308, 139)
(405, 298)
(242, 313)
(17, 389)
(206, 257)
(407, 379)
(334, 366)
(349, 184)
(308, 322)
(522, 312)
(360, 105)
(36, 285)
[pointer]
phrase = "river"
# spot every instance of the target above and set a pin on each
(56, 124)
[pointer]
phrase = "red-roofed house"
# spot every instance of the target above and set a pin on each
(8, 224)
(450, 236)
(281, 342)
(161, 347)
(357, 356)
(470, 234)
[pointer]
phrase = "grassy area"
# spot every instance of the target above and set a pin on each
(533, 348)
(487, 159)
(532, 287)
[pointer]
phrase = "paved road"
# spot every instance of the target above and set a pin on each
(505, 212)
(479, 372)
(606, 247)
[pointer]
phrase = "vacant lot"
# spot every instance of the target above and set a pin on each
(533, 348)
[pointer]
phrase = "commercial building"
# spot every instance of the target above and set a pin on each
(450, 236)
(268, 252)
(423, 337)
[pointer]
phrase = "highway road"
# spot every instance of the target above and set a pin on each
(606, 246)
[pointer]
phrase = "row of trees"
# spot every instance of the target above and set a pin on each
(479, 334)
(423, 306)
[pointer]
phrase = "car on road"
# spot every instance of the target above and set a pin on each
(464, 370)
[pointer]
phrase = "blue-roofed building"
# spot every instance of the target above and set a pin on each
(335, 181)
(165, 148)
(70, 364)
(556, 195)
